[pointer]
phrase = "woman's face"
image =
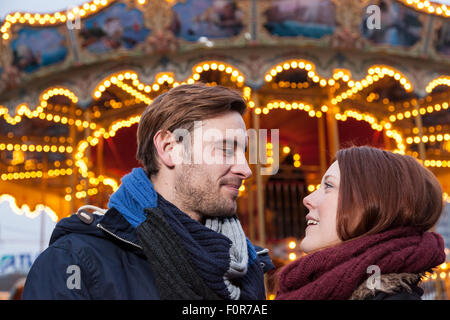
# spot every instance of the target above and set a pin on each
(321, 219)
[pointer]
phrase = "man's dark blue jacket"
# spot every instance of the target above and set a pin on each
(106, 255)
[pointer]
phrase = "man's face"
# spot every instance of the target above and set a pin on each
(209, 185)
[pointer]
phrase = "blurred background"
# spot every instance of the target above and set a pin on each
(77, 74)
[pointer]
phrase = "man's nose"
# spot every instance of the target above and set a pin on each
(242, 169)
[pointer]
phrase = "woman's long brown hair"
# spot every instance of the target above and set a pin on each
(380, 190)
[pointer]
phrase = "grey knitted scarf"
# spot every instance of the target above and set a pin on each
(231, 228)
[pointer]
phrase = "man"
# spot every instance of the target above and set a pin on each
(171, 231)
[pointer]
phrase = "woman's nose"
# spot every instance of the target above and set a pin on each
(308, 201)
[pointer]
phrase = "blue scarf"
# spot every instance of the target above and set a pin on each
(134, 195)
(208, 249)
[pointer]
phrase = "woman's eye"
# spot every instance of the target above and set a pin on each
(327, 185)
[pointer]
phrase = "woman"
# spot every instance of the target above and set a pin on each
(367, 230)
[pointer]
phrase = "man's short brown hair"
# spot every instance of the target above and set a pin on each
(381, 190)
(178, 108)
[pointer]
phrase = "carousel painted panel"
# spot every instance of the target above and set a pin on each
(440, 45)
(210, 23)
(296, 21)
(398, 28)
(36, 48)
(116, 29)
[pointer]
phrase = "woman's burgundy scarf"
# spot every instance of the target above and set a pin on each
(334, 273)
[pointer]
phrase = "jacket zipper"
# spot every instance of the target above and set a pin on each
(117, 237)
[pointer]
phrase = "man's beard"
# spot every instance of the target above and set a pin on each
(196, 191)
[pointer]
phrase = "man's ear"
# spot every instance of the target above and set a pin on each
(165, 144)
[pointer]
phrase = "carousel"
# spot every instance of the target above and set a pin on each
(327, 74)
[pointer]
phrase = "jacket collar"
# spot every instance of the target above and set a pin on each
(116, 226)
(389, 283)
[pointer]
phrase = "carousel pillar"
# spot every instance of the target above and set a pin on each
(74, 171)
(333, 133)
(419, 125)
(100, 169)
(259, 184)
(438, 287)
(44, 199)
(387, 141)
(259, 181)
(251, 209)
(250, 182)
(322, 146)
(88, 155)
(422, 156)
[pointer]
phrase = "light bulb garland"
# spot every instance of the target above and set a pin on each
(139, 89)
(379, 126)
(433, 163)
(429, 7)
(36, 148)
(32, 174)
(428, 138)
(440, 81)
(375, 74)
(235, 74)
(305, 65)
(25, 209)
(38, 112)
(313, 187)
(288, 106)
(247, 93)
(431, 129)
(47, 19)
(422, 111)
(285, 150)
